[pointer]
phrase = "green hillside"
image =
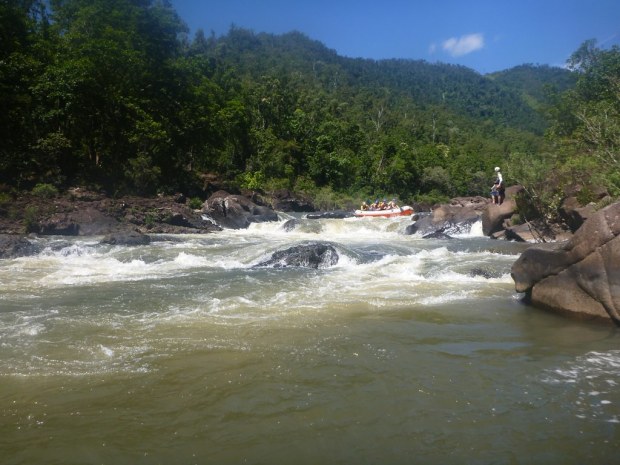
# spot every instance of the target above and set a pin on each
(115, 95)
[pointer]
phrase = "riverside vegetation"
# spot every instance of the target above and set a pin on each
(117, 98)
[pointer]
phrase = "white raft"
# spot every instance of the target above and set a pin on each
(389, 213)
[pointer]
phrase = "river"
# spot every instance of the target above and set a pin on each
(407, 351)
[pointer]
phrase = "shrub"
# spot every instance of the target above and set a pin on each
(45, 191)
(31, 219)
(5, 199)
(195, 203)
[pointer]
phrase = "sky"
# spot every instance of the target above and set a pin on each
(485, 35)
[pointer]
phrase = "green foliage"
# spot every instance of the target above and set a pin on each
(45, 191)
(149, 219)
(31, 219)
(252, 180)
(516, 219)
(5, 199)
(195, 203)
(113, 94)
(431, 198)
(143, 174)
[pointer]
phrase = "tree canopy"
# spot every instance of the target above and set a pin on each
(114, 94)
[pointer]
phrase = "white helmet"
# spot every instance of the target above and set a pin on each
(497, 168)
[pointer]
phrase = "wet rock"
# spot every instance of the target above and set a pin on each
(437, 235)
(484, 273)
(129, 238)
(314, 255)
(452, 218)
(13, 246)
(290, 225)
(236, 211)
(333, 215)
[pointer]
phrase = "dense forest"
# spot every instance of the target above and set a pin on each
(115, 95)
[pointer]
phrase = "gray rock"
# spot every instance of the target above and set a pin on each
(236, 211)
(129, 238)
(13, 246)
(313, 255)
(580, 277)
(334, 215)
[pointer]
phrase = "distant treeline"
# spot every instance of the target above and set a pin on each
(113, 94)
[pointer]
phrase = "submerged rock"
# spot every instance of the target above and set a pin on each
(437, 235)
(315, 255)
(129, 238)
(333, 215)
(290, 225)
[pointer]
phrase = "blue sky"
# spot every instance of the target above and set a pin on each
(486, 35)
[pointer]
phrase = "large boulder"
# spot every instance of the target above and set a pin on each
(236, 211)
(580, 277)
(285, 201)
(451, 218)
(313, 255)
(575, 212)
(12, 246)
(494, 216)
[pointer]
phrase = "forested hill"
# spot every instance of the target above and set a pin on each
(537, 84)
(513, 97)
(115, 95)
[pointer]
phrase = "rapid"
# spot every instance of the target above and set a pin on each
(408, 350)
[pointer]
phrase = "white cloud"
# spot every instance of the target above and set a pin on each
(464, 44)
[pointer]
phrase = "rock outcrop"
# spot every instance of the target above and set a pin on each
(236, 211)
(453, 218)
(85, 213)
(579, 277)
(286, 201)
(13, 246)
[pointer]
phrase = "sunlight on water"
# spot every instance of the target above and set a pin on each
(185, 351)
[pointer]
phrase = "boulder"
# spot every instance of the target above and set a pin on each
(13, 246)
(61, 224)
(313, 255)
(236, 211)
(290, 225)
(285, 201)
(456, 217)
(574, 214)
(579, 277)
(494, 216)
(520, 233)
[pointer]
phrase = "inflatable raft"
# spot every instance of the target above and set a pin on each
(389, 213)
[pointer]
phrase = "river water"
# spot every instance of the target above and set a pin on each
(406, 351)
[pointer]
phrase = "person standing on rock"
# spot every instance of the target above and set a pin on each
(501, 189)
